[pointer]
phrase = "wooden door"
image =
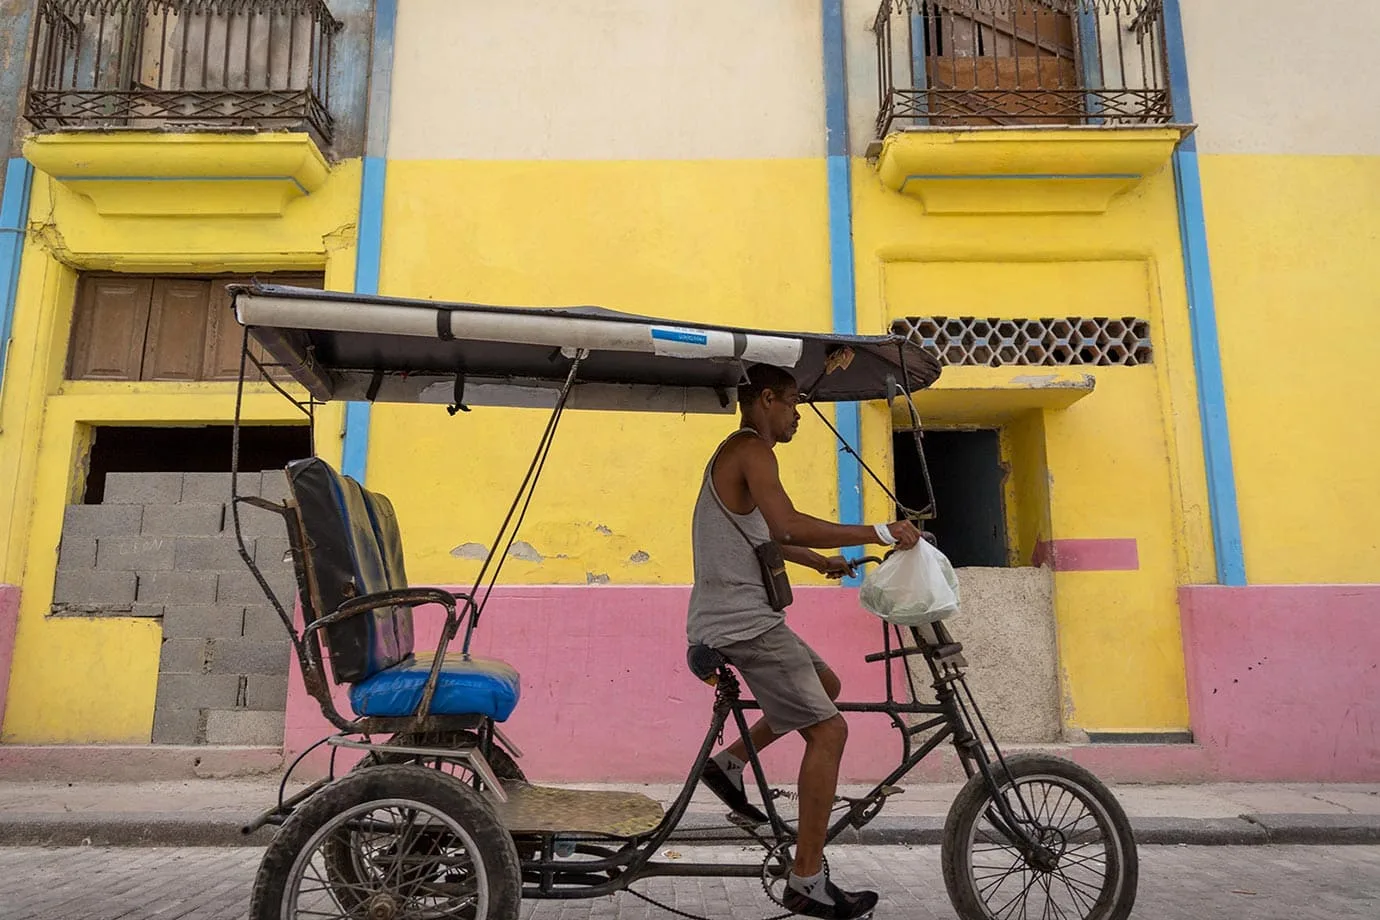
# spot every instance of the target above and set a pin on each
(1012, 66)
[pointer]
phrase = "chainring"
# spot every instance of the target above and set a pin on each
(776, 871)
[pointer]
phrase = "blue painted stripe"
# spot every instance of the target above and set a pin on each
(14, 212)
(369, 257)
(845, 311)
(1090, 58)
(919, 76)
(368, 261)
(841, 245)
(835, 81)
(381, 77)
(1202, 315)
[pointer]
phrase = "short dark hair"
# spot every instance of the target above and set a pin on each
(762, 377)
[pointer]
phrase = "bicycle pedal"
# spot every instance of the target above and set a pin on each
(742, 821)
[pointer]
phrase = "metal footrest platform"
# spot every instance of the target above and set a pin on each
(547, 810)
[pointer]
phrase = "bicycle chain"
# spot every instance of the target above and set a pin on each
(768, 844)
(763, 842)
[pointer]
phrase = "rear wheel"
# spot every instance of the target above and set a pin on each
(342, 852)
(1086, 866)
(422, 844)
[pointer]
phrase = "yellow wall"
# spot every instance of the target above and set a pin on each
(733, 241)
(1122, 462)
(1293, 242)
(77, 679)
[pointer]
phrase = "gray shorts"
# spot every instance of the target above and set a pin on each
(783, 674)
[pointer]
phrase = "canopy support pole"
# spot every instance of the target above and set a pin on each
(524, 498)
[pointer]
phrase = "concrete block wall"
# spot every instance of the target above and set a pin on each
(163, 545)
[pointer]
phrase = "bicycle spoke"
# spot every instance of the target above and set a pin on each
(1077, 898)
(1082, 860)
(1012, 870)
(1034, 877)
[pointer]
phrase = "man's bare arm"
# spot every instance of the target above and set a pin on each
(790, 527)
(801, 555)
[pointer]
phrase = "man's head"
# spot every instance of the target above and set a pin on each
(768, 401)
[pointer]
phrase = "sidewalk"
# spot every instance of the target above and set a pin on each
(210, 813)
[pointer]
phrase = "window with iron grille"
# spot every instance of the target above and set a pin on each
(1100, 341)
(944, 63)
(151, 63)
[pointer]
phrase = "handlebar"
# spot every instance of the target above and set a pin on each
(853, 564)
(864, 560)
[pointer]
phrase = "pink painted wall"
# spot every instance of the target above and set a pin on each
(9, 623)
(1284, 681)
(606, 695)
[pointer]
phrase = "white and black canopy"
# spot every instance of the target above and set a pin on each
(388, 349)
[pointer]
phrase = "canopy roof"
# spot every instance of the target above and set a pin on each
(388, 349)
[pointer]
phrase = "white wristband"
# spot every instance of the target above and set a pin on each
(884, 534)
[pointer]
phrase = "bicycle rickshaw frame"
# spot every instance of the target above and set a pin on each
(608, 863)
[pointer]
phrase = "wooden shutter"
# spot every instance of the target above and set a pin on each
(224, 335)
(169, 328)
(109, 328)
(176, 344)
(223, 338)
(1011, 56)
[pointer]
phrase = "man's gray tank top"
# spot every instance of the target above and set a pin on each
(728, 602)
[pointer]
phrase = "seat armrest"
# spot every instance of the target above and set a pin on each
(404, 597)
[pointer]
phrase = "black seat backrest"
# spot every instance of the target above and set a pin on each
(352, 547)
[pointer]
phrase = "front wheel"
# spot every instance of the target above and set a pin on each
(1084, 866)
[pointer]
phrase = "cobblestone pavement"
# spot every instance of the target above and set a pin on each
(1177, 883)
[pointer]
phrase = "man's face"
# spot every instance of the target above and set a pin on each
(783, 418)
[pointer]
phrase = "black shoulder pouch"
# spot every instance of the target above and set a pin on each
(774, 578)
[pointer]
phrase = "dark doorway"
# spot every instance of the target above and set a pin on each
(968, 477)
(190, 450)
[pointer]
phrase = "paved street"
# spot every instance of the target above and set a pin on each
(1177, 883)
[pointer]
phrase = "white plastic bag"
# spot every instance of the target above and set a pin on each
(913, 587)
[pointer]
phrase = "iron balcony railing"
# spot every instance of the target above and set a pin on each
(944, 63)
(263, 64)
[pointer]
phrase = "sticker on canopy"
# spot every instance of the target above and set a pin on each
(839, 359)
(680, 343)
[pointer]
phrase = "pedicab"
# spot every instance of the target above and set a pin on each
(438, 819)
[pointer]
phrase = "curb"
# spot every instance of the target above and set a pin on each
(172, 830)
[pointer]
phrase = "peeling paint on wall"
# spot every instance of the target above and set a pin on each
(639, 558)
(471, 551)
(526, 552)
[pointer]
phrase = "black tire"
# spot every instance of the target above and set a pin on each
(465, 820)
(1076, 871)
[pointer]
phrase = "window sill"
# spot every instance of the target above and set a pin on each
(1022, 170)
(165, 387)
(994, 395)
(154, 174)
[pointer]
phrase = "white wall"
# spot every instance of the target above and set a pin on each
(607, 79)
(1278, 76)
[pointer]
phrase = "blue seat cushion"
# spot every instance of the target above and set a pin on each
(467, 686)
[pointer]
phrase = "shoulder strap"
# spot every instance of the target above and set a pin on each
(709, 482)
